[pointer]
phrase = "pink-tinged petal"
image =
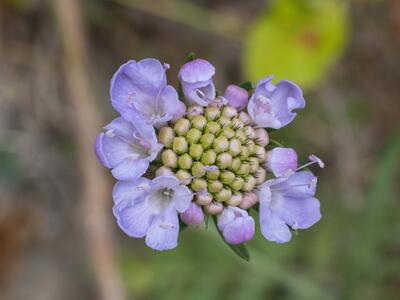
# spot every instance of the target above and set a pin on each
(237, 97)
(130, 168)
(239, 231)
(134, 218)
(193, 215)
(300, 213)
(196, 71)
(163, 232)
(281, 161)
(130, 189)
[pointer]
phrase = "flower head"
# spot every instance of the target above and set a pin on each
(139, 90)
(288, 202)
(236, 225)
(151, 209)
(127, 148)
(272, 106)
(196, 80)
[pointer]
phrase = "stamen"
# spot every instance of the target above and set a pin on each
(314, 160)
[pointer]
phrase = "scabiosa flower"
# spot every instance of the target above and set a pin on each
(139, 90)
(196, 80)
(272, 106)
(209, 158)
(127, 148)
(152, 210)
(288, 202)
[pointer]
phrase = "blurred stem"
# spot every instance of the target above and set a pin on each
(95, 189)
(191, 15)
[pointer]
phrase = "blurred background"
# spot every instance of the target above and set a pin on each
(58, 238)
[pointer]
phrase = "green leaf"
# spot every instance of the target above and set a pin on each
(239, 249)
(299, 40)
(247, 85)
(191, 56)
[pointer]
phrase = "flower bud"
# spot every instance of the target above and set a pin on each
(220, 144)
(164, 171)
(182, 126)
(249, 183)
(228, 132)
(213, 175)
(262, 137)
(197, 169)
(179, 145)
(236, 225)
(235, 200)
(224, 160)
(250, 132)
(237, 184)
(185, 161)
(198, 184)
(166, 136)
(241, 136)
(212, 113)
(206, 140)
(229, 112)
(199, 122)
(244, 117)
(212, 127)
(184, 176)
(254, 164)
(281, 161)
(235, 147)
(195, 151)
(193, 215)
(203, 198)
(224, 121)
(260, 175)
(245, 153)
(169, 159)
(235, 165)
(227, 177)
(237, 123)
(249, 200)
(208, 157)
(237, 97)
(223, 195)
(260, 153)
(214, 208)
(193, 135)
(214, 186)
(193, 111)
(244, 169)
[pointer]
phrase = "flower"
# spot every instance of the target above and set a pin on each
(281, 161)
(193, 215)
(139, 90)
(288, 202)
(237, 97)
(196, 79)
(236, 225)
(150, 209)
(271, 105)
(127, 148)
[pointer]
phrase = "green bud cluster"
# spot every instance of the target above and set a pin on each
(218, 137)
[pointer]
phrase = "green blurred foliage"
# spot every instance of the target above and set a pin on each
(296, 39)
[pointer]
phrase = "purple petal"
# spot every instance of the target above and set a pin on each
(182, 198)
(193, 215)
(281, 161)
(197, 70)
(300, 213)
(130, 168)
(299, 185)
(239, 231)
(170, 104)
(161, 182)
(129, 190)
(237, 97)
(163, 232)
(98, 148)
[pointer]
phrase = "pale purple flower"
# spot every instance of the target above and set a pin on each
(193, 215)
(139, 90)
(127, 148)
(150, 209)
(288, 202)
(196, 80)
(281, 161)
(236, 225)
(272, 106)
(237, 97)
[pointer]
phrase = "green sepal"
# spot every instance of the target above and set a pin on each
(239, 249)
(247, 85)
(182, 225)
(275, 142)
(180, 92)
(191, 56)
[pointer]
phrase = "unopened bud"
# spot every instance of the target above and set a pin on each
(249, 200)
(212, 113)
(244, 169)
(240, 135)
(260, 175)
(184, 176)
(213, 175)
(244, 117)
(223, 195)
(199, 122)
(220, 144)
(198, 169)
(224, 160)
(193, 215)
(237, 184)
(185, 161)
(214, 208)
(235, 200)
(249, 183)
(193, 135)
(235, 165)
(250, 132)
(203, 198)
(169, 159)
(166, 136)
(281, 161)
(237, 97)
(180, 145)
(260, 153)
(262, 137)
(195, 151)
(212, 127)
(224, 121)
(254, 164)
(208, 157)
(164, 171)
(214, 186)
(229, 112)
(227, 177)
(228, 132)
(193, 111)
(182, 126)
(235, 147)
(198, 184)
(206, 140)
(237, 123)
